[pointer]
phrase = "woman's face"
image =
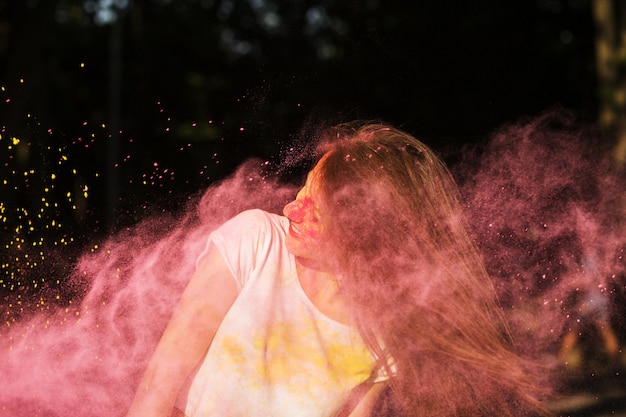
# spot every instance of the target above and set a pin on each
(304, 238)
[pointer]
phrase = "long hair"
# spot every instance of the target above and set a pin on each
(418, 290)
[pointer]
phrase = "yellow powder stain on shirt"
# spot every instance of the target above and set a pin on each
(356, 362)
(232, 349)
(288, 356)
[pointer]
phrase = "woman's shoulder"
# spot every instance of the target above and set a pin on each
(257, 217)
(253, 222)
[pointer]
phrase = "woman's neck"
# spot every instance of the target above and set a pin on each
(322, 288)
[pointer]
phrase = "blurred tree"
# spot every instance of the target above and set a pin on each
(610, 22)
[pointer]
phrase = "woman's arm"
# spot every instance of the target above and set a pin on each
(366, 405)
(362, 400)
(204, 303)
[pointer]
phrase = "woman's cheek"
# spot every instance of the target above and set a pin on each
(312, 232)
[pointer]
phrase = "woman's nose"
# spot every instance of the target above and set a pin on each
(294, 211)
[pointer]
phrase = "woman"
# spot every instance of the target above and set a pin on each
(367, 298)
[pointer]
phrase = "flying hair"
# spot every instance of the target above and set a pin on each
(417, 286)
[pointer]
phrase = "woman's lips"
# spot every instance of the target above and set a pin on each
(294, 231)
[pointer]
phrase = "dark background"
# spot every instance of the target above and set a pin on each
(112, 111)
(242, 78)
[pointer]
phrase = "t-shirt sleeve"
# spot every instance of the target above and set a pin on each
(239, 241)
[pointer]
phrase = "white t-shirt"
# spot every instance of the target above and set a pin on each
(275, 354)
